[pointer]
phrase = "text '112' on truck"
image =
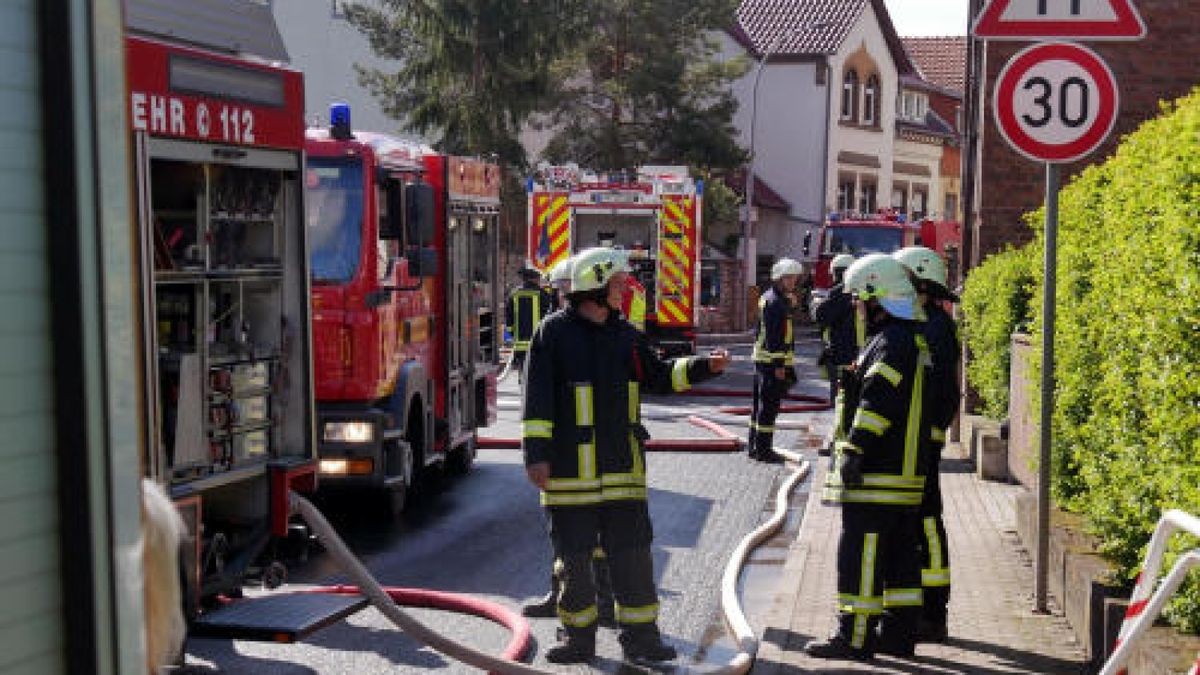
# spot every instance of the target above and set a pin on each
(404, 251)
(653, 212)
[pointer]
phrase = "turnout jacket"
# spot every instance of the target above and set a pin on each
(524, 311)
(839, 323)
(581, 409)
(942, 336)
(885, 420)
(774, 344)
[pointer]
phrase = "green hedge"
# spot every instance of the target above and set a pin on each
(1127, 412)
(995, 302)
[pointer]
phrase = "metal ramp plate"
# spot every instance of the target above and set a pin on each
(283, 617)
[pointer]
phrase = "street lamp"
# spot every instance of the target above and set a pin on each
(748, 242)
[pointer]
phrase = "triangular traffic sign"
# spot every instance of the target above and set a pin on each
(1054, 19)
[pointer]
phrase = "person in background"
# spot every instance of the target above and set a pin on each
(841, 333)
(773, 355)
(929, 270)
(524, 310)
(583, 442)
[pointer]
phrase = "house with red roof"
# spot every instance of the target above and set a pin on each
(838, 117)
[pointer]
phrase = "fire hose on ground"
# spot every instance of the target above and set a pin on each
(388, 600)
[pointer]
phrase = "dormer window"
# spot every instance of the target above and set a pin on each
(871, 101)
(913, 106)
(850, 96)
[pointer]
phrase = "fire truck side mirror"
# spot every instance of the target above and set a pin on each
(418, 197)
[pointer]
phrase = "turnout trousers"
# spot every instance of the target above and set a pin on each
(878, 577)
(768, 392)
(934, 551)
(624, 532)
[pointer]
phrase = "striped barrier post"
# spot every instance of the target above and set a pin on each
(1145, 603)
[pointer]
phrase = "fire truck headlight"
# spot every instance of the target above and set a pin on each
(349, 432)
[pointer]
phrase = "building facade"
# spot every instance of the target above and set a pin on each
(844, 120)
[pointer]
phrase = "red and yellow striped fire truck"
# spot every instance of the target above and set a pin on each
(654, 212)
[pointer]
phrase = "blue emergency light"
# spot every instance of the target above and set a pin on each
(339, 121)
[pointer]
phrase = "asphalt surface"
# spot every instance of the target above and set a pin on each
(484, 534)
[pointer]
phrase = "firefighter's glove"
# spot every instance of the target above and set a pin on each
(850, 469)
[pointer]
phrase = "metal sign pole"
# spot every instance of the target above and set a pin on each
(1041, 562)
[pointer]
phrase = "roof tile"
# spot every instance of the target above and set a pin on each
(941, 60)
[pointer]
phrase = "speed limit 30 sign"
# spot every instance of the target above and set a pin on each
(1055, 101)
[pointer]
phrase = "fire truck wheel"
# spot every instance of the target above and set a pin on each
(462, 458)
(398, 456)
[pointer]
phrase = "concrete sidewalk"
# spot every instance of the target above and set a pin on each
(992, 627)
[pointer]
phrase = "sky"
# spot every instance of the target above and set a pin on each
(929, 17)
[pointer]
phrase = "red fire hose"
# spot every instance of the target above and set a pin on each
(787, 408)
(714, 391)
(519, 642)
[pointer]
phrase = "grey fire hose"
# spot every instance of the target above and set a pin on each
(731, 608)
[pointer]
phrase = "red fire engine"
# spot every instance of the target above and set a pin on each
(218, 137)
(404, 250)
(883, 232)
(654, 212)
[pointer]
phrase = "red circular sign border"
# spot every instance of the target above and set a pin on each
(1018, 65)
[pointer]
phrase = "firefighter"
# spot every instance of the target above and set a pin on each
(582, 439)
(633, 304)
(878, 475)
(560, 280)
(525, 309)
(841, 332)
(929, 270)
(773, 353)
(559, 277)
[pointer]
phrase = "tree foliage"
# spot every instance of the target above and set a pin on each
(646, 86)
(470, 72)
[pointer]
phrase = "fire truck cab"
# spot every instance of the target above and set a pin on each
(653, 212)
(404, 254)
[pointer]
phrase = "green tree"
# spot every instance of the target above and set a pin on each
(646, 86)
(470, 71)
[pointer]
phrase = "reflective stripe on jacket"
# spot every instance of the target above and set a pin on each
(581, 409)
(525, 309)
(884, 418)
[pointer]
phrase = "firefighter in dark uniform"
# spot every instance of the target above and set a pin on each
(929, 270)
(773, 354)
(582, 439)
(525, 309)
(842, 333)
(559, 277)
(879, 471)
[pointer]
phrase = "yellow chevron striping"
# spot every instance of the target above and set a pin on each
(673, 310)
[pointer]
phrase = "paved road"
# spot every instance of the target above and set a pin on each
(484, 535)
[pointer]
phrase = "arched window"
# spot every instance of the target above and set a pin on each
(850, 96)
(871, 101)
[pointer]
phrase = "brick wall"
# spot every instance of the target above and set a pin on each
(1161, 67)
(719, 318)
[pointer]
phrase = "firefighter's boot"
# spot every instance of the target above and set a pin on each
(836, 647)
(646, 645)
(547, 607)
(575, 646)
